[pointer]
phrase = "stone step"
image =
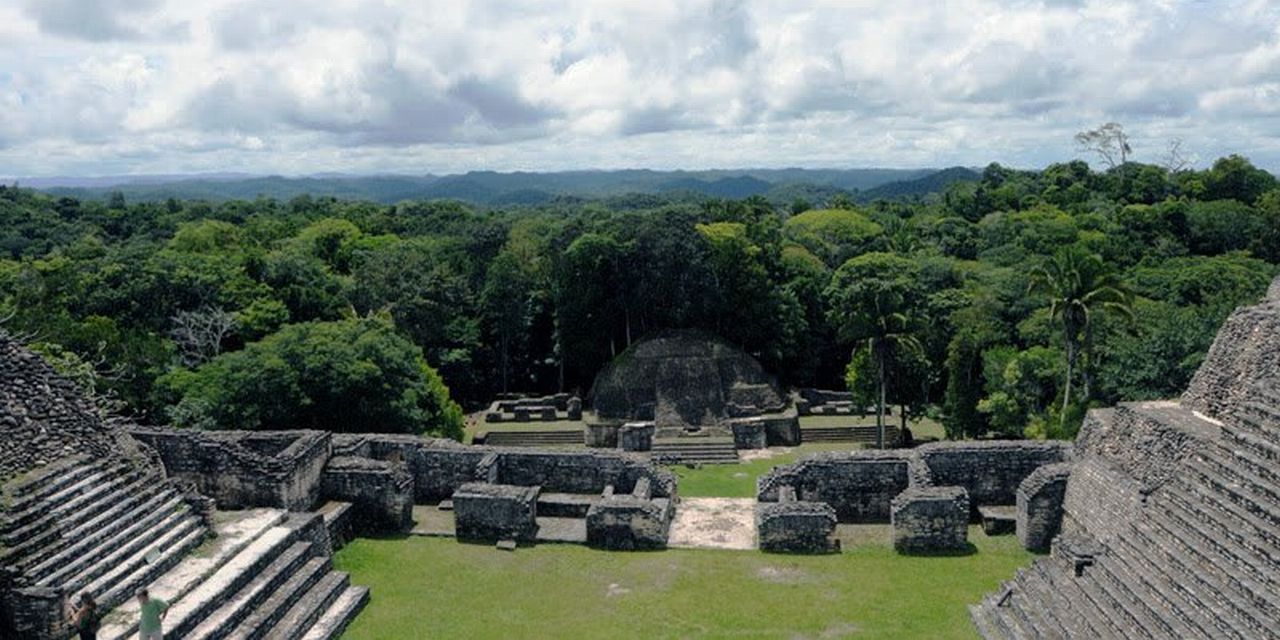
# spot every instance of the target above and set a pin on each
(307, 611)
(339, 614)
(236, 608)
(1134, 562)
(1083, 619)
(1263, 446)
(1104, 614)
(1211, 534)
(195, 606)
(1218, 494)
(232, 536)
(1121, 598)
(119, 586)
(274, 608)
(1115, 571)
(1233, 592)
(50, 479)
(77, 498)
(982, 617)
(1040, 592)
(1194, 599)
(69, 542)
(153, 534)
(1206, 508)
(109, 538)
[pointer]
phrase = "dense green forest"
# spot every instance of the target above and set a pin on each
(1002, 306)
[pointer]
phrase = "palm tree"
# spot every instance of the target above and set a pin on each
(1079, 286)
(892, 331)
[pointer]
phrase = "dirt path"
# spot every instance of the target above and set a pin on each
(714, 523)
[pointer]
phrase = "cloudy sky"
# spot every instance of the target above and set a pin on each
(92, 87)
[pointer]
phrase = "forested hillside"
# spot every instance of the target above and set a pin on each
(1003, 306)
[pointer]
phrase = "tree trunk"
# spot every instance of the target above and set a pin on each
(1087, 369)
(1066, 393)
(880, 404)
(506, 360)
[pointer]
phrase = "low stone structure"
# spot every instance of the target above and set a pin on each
(243, 469)
(794, 526)
(380, 494)
(636, 436)
(931, 519)
(561, 406)
(859, 485)
(989, 470)
(630, 522)
(493, 512)
(1040, 498)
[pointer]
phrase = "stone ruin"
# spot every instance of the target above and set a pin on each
(88, 508)
(689, 384)
(919, 492)
(1170, 511)
(512, 408)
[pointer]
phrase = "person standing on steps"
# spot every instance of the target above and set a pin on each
(85, 617)
(152, 612)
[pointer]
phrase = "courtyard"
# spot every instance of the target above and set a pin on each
(428, 587)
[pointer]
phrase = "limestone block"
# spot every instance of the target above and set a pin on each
(929, 519)
(495, 512)
(796, 527)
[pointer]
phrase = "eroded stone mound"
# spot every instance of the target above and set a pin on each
(684, 378)
(1246, 349)
(44, 418)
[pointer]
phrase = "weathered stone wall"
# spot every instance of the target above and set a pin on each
(1247, 348)
(991, 471)
(1040, 504)
(859, 485)
(490, 512)
(1147, 440)
(636, 436)
(796, 527)
(380, 493)
(749, 433)
(45, 418)
(931, 519)
(1101, 500)
(684, 378)
(242, 469)
(439, 467)
(629, 522)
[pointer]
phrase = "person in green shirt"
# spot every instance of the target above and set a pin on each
(152, 611)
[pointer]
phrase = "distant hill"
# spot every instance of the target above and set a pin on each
(932, 183)
(489, 188)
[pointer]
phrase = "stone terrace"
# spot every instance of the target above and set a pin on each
(1172, 515)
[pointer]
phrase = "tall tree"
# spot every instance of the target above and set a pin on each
(874, 304)
(1079, 287)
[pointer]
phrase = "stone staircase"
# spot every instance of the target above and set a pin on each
(102, 526)
(268, 576)
(694, 450)
(557, 438)
(864, 434)
(1201, 559)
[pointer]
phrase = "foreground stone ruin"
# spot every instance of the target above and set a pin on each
(917, 491)
(87, 508)
(1171, 514)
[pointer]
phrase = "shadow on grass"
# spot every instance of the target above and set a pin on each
(967, 550)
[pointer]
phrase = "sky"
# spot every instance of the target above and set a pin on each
(111, 87)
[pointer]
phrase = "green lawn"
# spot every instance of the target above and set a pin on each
(739, 480)
(438, 588)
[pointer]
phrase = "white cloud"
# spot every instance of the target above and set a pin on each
(114, 86)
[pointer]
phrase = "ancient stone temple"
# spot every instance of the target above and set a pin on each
(86, 508)
(1170, 524)
(689, 383)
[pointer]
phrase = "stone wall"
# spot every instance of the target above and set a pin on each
(629, 522)
(1146, 440)
(1247, 348)
(439, 467)
(45, 418)
(796, 527)
(931, 519)
(859, 485)
(990, 471)
(243, 469)
(1101, 499)
(1040, 500)
(489, 512)
(380, 493)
